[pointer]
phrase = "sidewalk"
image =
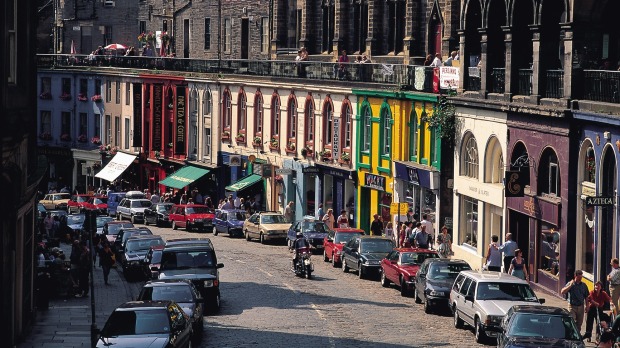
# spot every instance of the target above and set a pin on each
(67, 322)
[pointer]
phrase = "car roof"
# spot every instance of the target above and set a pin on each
(231, 210)
(132, 229)
(147, 236)
(83, 195)
(366, 237)
(118, 223)
(189, 242)
(163, 203)
(544, 310)
(189, 205)
(268, 213)
(444, 260)
(416, 250)
(127, 306)
(138, 199)
(167, 282)
(348, 230)
(491, 276)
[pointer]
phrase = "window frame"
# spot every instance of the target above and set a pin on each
(206, 103)
(385, 120)
(328, 123)
(207, 33)
(126, 133)
(469, 164)
(276, 117)
(259, 114)
(242, 113)
(309, 122)
(226, 110)
(227, 35)
(366, 128)
(292, 117)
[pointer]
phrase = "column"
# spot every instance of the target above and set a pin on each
(75, 174)
(464, 63)
(508, 71)
(569, 78)
(537, 89)
(409, 37)
(306, 15)
(484, 90)
(374, 9)
(340, 30)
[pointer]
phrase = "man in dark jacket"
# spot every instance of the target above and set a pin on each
(376, 227)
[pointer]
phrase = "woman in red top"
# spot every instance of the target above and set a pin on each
(596, 301)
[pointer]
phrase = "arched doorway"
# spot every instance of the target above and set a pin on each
(471, 54)
(607, 227)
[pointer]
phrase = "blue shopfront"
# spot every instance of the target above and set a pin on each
(336, 189)
(418, 186)
(234, 167)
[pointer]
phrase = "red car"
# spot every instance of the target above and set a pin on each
(100, 204)
(401, 266)
(76, 203)
(191, 216)
(335, 240)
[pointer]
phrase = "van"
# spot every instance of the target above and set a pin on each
(114, 198)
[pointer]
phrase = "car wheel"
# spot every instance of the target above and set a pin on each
(146, 221)
(247, 236)
(215, 231)
(403, 288)
(345, 268)
(480, 336)
(334, 263)
(415, 294)
(458, 322)
(427, 306)
(325, 258)
(215, 303)
(384, 281)
(262, 238)
(188, 228)
(360, 271)
(174, 225)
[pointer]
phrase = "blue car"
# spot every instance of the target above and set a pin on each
(314, 231)
(230, 222)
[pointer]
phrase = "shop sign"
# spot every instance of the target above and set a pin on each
(336, 173)
(336, 139)
(137, 114)
(284, 171)
(157, 117)
(267, 170)
(399, 208)
(373, 181)
(514, 183)
(310, 170)
(180, 121)
(599, 201)
(55, 151)
(412, 173)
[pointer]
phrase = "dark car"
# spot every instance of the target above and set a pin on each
(152, 262)
(112, 228)
(229, 222)
(364, 254)
(146, 324)
(401, 265)
(124, 234)
(538, 326)
(434, 281)
(314, 231)
(74, 224)
(157, 214)
(197, 262)
(101, 221)
(183, 292)
(134, 251)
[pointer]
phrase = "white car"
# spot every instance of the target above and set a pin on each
(132, 209)
(482, 299)
(266, 226)
(53, 201)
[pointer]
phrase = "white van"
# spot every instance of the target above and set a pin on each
(116, 197)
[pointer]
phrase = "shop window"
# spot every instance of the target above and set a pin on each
(586, 251)
(549, 174)
(226, 110)
(309, 121)
(413, 136)
(469, 157)
(242, 113)
(385, 199)
(590, 166)
(469, 224)
(386, 139)
(367, 128)
(258, 114)
(549, 248)
(206, 103)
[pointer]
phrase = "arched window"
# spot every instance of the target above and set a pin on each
(413, 135)
(226, 110)
(367, 128)
(328, 123)
(494, 162)
(309, 119)
(242, 115)
(258, 114)
(386, 138)
(206, 102)
(549, 174)
(291, 111)
(469, 157)
(347, 117)
(590, 165)
(193, 124)
(275, 117)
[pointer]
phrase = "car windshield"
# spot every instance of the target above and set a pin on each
(343, 238)
(505, 291)
(236, 216)
(313, 226)
(139, 322)
(376, 246)
(415, 258)
(82, 199)
(186, 259)
(176, 293)
(140, 204)
(101, 220)
(197, 210)
(156, 258)
(544, 326)
(163, 208)
(115, 228)
(143, 245)
(75, 219)
(440, 270)
(99, 200)
(128, 234)
(272, 219)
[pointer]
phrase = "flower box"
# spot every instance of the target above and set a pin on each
(82, 138)
(82, 97)
(65, 96)
(240, 138)
(274, 144)
(45, 96)
(325, 155)
(345, 157)
(65, 137)
(257, 141)
(95, 140)
(96, 98)
(45, 136)
(225, 135)
(290, 147)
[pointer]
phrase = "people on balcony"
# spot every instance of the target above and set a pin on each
(437, 61)
(429, 60)
(451, 58)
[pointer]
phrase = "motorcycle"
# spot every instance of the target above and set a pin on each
(303, 267)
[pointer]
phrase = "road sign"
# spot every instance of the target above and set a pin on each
(404, 207)
(394, 208)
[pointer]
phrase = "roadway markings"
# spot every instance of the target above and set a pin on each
(323, 317)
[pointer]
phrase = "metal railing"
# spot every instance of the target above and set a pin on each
(498, 78)
(525, 82)
(555, 84)
(473, 79)
(601, 85)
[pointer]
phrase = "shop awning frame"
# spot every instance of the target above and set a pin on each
(119, 163)
(244, 183)
(184, 177)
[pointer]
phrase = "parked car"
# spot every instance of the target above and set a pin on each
(195, 261)
(314, 231)
(482, 299)
(74, 224)
(55, 201)
(152, 262)
(434, 281)
(229, 222)
(133, 252)
(112, 228)
(266, 226)
(75, 203)
(191, 216)
(114, 198)
(190, 241)
(181, 291)
(132, 209)
(146, 324)
(158, 214)
(335, 240)
(401, 265)
(101, 221)
(98, 204)
(538, 326)
(124, 234)
(364, 254)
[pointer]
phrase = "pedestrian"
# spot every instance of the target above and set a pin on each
(445, 242)
(289, 213)
(389, 231)
(607, 340)
(74, 260)
(106, 258)
(596, 301)
(429, 60)
(155, 198)
(209, 203)
(450, 59)
(237, 202)
(184, 199)
(614, 282)
(342, 221)
(48, 222)
(343, 62)
(254, 206)
(402, 236)
(494, 256)
(421, 238)
(577, 294)
(517, 266)
(329, 219)
(84, 270)
(376, 227)
(429, 229)
(319, 212)
(508, 248)
(412, 230)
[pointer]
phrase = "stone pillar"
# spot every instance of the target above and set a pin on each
(508, 92)
(484, 90)
(567, 63)
(409, 38)
(306, 10)
(536, 71)
(374, 8)
(339, 29)
(464, 64)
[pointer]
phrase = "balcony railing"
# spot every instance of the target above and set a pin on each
(525, 81)
(555, 84)
(601, 85)
(473, 79)
(498, 78)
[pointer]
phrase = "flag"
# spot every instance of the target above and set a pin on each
(73, 48)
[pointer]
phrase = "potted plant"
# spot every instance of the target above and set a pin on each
(45, 136)
(65, 137)
(65, 96)
(290, 147)
(225, 135)
(82, 138)
(257, 141)
(170, 145)
(95, 140)
(157, 154)
(45, 95)
(240, 138)
(165, 38)
(96, 98)
(345, 156)
(325, 154)
(82, 97)
(142, 37)
(274, 143)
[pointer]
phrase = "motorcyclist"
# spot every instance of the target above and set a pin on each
(299, 243)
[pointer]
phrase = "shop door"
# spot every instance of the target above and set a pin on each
(520, 229)
(338, 196)
(364, 209)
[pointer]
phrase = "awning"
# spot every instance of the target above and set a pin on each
(184, 177)
(244, 183)
(116, 167)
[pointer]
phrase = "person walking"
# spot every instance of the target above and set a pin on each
(614, 282)
(289, 213)
(106, 258)
(445, 242)
(429, 229)
(577, 294)
(376, 227)
(421, 238)
(596, 301)
(508, 248)
(402, 236)
(320, 212)
(494, 256)
(389, 231)
(329, 218)
(517, 266)
(84, 270)
(342, 221)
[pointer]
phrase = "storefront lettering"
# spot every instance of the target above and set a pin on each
(531, 207)
(336, 139)
(180, 121)
(413, 175)
(376, 182)
(157, 117)
(479, 190)
(137, 114)
(592, 201)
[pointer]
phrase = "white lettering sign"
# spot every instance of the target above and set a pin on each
(449, 77)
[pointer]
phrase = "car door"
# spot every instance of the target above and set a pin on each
(217, 221)
(460, 296)
(328, 244)
(346, 251)
(150, 214)
(255, 225)
(354, 254)
(180, 329)
(391, 267)
(468, 304)
(420, 280)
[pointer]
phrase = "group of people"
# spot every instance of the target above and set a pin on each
(437, 61)
(342, 221)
